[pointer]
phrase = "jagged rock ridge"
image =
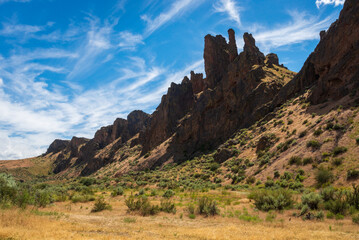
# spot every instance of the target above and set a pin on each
(239, 89)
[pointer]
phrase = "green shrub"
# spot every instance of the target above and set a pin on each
(355, 218)
(323, 176)
(318, 132)
(169, 193)
(250, 180)
(117, 192)
(142, 205)
(82, 198)
(191, 209)
(266, 200)
(319, 215)
(87, 181)
(307, 161)
(42, 198)
(305, 209)
(141, 192)
(314, 144)
(295, 160)
(214, 166)
(339, 150)
(328, 193)
(352, 174)
(339, 205)
(168, 206)
(303, 134)
(357, 140)
(269, 183)
(312, 200)
(101, 205)
(337, 161)
(8, 188)
(207, 207)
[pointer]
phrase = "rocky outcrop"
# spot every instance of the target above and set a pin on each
(332, 70)
(57, 146)
(174, 105)
(82, 152)
(232, 96)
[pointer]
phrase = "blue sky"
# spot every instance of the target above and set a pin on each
(70, 67)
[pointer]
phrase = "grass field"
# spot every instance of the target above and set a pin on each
(237, 220)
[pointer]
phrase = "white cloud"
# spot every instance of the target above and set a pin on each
(1, 82)
(21, 1)
(229, 7)
(177, 8)
(326, 2)
(13, 29)
(129, 41)
(303, 27)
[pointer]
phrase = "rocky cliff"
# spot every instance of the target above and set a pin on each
(332, 70)
(238, 90)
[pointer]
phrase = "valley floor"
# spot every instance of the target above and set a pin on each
(74, 221)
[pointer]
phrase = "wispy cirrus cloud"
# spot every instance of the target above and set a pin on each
(327, 2)
(129, 41)
(177, 8)
(20, 1)
(302, 27)
(229, 7)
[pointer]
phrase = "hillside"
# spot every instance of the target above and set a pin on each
(250, 114)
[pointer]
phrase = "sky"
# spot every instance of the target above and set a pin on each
(69, 67)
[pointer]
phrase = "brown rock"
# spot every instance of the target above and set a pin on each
(198, 84)
(57, 146)
(272, 59)
(332, 70)
(232, 45)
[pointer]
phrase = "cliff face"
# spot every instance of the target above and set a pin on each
(83, 153)
(332, 70)
(201, 113)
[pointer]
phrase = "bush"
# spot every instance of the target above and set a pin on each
(295, 160)
(82, 198)
(328, 193)
(168, 206)
(207, 207)
(323, 176)
(117, 192)
(307, 161)
(42, 198)
(214, 166)
(318, 132)
(266, 200)
(303, 134)
(352, 175)
(312, 200)
(87, 181)
(169, 193)
(8, 188)
(355, 218)
(269, 183)
(339, 150)
(314, 144)
(101, 205)
(250, 180)
(142, 205)
(337, 161)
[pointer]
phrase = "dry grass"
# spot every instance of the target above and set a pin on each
(75, 221)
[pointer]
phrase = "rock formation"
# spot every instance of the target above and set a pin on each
(332, 70)
(239, 89)
(57, 146)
